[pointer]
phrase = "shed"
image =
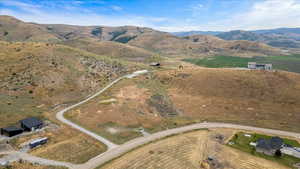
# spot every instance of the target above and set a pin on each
(11, 131)
(31, 124)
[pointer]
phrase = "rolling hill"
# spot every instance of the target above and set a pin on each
(35, 76)
(139, 42)
(281, 37)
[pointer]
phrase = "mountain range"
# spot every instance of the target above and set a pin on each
(281, 37)
(128, 42)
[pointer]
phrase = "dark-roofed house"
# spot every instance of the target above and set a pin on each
(269, 146)
(11, 131)
(31, 124)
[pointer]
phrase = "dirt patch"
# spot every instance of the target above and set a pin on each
(163, 106)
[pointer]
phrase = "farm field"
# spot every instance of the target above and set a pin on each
(242, 143)
(191, 151)
(289, 63)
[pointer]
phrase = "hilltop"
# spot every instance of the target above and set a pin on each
(137, 40)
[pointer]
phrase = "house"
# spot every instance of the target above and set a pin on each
(11, 131)
(256, 66)
(38, 142)
(31, 124)
(269, 146)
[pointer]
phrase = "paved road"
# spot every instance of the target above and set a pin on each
(60, 114)
(115, 152)
(13, 156)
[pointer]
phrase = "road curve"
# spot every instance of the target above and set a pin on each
(60, 114)
(12, 156)
(115, 152)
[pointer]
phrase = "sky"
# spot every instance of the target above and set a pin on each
(164, 15)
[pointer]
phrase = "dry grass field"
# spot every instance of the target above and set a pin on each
(172, 98)
(190, 151)
(255, 98)
(65, 144)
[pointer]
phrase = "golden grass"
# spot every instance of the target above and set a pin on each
(189, 150)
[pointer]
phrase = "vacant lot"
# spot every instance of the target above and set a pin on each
(191, 151)
(289, 63)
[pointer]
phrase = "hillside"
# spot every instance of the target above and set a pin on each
(200, 45)
(12, 29)
(111, 49)
(281, 37)
(173, 98)
(286, 38)
(36, 76)
(146, 38)
(248, 97)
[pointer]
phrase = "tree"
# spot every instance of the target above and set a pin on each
(278, 153)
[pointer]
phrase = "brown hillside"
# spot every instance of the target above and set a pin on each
(12, 29)
(33, 74)
(111, 49)
(200, 45)
(248, 97)
(170, 98)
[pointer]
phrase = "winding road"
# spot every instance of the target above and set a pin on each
(117, 150)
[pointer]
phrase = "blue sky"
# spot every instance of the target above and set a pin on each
(165, 15)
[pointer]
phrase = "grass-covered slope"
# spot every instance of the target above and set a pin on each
(255, 98)
(34, 76)
(111, 49)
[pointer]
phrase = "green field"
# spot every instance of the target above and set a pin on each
(289, 63)
(242, 143)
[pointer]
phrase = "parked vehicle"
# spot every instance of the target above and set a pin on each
(38, 142)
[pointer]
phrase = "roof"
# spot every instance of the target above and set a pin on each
(11, 128)
(31, 122)
(276, 142)
(264, 144)
(270, 144)
(39, 140)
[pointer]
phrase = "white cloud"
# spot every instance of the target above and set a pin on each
(117, 8)
(263, 14)
(23, 6)
(270, 14)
